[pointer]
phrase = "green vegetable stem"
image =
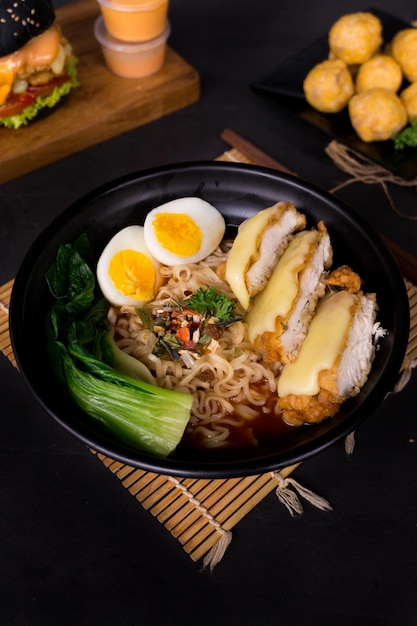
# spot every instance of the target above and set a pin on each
(108, 384)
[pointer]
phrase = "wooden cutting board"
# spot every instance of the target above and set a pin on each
(102, 107)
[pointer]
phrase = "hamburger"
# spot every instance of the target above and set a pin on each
(37, 66)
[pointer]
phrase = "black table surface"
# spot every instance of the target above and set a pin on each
(75, 547)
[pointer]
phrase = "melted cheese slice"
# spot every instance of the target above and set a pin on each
(273, 223)
(37, 53)
(245, 250)
(325, 341)
(277, 299)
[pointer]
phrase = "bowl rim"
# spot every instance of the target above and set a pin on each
(213, 468)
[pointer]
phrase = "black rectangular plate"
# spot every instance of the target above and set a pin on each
(285, 83)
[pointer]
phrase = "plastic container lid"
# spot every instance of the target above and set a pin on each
(149, 5)
(133, 47)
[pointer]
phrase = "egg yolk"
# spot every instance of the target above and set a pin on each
(177, 233)
(133, 274)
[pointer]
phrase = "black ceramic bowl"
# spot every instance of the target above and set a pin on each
(238, 191)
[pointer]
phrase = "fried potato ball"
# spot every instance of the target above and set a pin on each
(379, 71)
(328, 86)
(355, 37)
(377, 114)
(404, 51)
(408, 97)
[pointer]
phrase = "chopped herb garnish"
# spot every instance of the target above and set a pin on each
(189, 325)
(406, 137)
(211, 302)
(145, 316)
(171, 346)
(205, 339)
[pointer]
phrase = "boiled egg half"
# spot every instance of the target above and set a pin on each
(185, 230)
(127, 272)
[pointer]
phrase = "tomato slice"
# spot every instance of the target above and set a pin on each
(15, 104)
(18, 102)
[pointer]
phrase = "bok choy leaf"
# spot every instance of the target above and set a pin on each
(109, 385)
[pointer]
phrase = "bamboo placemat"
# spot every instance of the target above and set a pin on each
(201, 513)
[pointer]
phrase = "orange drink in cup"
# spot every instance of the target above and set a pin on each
(134, 20)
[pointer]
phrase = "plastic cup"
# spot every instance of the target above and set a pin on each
(131, 59)
(134, 20)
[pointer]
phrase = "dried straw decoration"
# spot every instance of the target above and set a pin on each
(363, 170)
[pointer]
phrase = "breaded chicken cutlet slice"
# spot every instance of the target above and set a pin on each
(334, 361)
(260, 242)
(280, 315)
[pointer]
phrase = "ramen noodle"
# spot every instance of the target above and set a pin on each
(230, 385)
